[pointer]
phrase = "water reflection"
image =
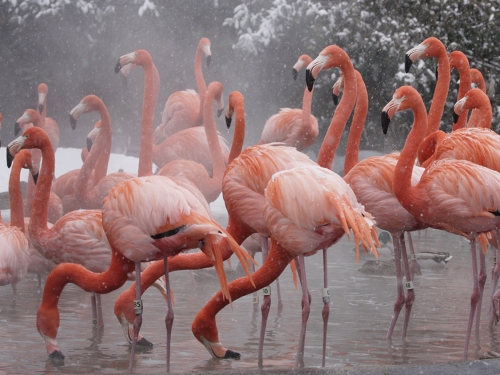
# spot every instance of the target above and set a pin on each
(360, 312)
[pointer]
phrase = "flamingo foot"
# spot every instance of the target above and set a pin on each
(218, 351)
(398, 305)
(56, 354)
(52, 348)
(266, 306)
(128, 331)
(144, 342)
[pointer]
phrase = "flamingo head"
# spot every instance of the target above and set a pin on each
(92, 136)
(204, 45)
(331, 56)
(28, 163)
(401, 100)
(31, 138)
(458, 60)
(235, 99)
(431, 47)
(337, 88)
(304, 60)
(27, 120)
(140, 57)
(89, 103)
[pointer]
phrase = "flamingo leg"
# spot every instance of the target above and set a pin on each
(297, 265)
(326, 305)
(278, 290)
(14, 293)
(410, 292)
(98, 305)
(305, 313)
(266, 303)
(39, 278)
(495, 273)
(169, 318)
(413, 257)
(475, 293)
(255, 296)
(138, 312)
(93, 305)
(400, 299)
(481, 281)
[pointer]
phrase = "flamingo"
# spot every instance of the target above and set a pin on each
(31, 116)
(103, 183)
(184, 109)
(294, 127)
(454, 194)
(15, 257)
(432, 47)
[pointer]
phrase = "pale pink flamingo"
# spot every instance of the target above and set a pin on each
(31, 116)
(103, 182)
(454, 194)
(15, 255)
(294, 127)
(184, 109)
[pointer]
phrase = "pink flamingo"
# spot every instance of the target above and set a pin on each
(294, 127)
(184, 109)
(454, 194)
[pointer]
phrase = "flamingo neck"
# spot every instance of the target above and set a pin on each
(40, 211)
(102, 283)
(36, 156)
(200, 81)
(334, 133)
(213, 138)
(404, 168)
(239, 133)
(43, 114)
(440, 93)
(100, 152)
(463, 88)
(357, 125)
(204, 325)
(482, 115)
(151, 89)
(15, 195)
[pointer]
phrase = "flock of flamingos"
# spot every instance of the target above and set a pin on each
(98, 230)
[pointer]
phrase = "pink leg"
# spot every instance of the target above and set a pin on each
(481, 281)
(475, 293)
(266, 303)
(138, 312)
(413, 257)
(169, 318)
(305, 314)
(410, 292)
(297, 265)
(495, 273)
(326, 305)
(98, 305)
(14, 293)
(278, 290)
(93, 306)
(400, 299)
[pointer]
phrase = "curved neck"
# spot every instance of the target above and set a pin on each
(357, 126)
(428, 147)
(404, 168)
(239, 132)
(463, 88)
(200, 81)
(482, 115)
(334, 133)
(151, 89)
(440, 93)
(213, 138)
(15, 195)
(40, 210)
(100, 152)
(44, 113)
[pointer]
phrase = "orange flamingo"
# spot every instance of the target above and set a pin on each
(15, 259)
(454, 194)
(31, 116)
(184, 109)
(432, 47)
(294, 127)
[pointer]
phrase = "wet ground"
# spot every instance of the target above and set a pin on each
(361, 308)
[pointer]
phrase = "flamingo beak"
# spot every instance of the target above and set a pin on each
(408, 63)
(89, 144)
(35, 177)
(9, 158)
(385, 120)
(335, 99)
(209, 60)
(309, 80)
(118, 66)
(40, 108)
(72, 121)
(455, 117)
(17, 128)
(228, 122)
(295, 73)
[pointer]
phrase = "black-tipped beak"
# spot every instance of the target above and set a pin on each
(17, 128)
(408, 63)
(335, 99)
(9, 158)
(295, 73)
(309, 80)
(219, 112)
(35, 178)
(455, 117)
(209, 60)
(89, 144)
(436, 73)
(228, 121)
(72, 121)
(40, 108)
(118, 67)
(385, 120)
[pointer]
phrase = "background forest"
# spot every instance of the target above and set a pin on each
(74, 45)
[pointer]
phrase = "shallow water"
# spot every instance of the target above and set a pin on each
(361, 307)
